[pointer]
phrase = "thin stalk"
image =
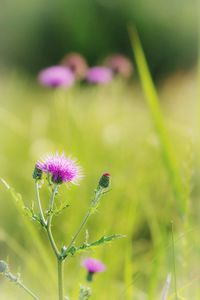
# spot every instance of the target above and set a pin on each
(18, 282)
(28, 291)
(80, 227)
(49, 220)
(39, 203)
(53, 244)
(60, 279)
(93, 205)
(173, 261)
(51, 202)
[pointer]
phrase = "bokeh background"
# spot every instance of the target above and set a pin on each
(108, 128)
(37, 33)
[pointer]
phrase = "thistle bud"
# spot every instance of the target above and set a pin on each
(85, 293)
(3, 266)
(104, 181)
(37, 173)
(63, 251)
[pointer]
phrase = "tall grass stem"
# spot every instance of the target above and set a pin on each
(174, 261)
(158, 120)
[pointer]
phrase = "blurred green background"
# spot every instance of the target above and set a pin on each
(37, 33)
(108, 128)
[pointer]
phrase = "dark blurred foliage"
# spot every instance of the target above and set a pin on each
(38, 33)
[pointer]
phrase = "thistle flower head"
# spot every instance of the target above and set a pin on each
(76, 63)
(60, 168)
(56, 76)
(99, 75)
(120, 65)
(93, 265)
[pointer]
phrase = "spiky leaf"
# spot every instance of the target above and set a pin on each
(86, 246)
(29, 212)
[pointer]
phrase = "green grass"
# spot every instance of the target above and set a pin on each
(110, 129)
(153, 103)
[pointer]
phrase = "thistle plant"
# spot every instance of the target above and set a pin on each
(54, 171)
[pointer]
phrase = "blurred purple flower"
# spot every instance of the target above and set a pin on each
(56, 76)
(99, 75)
(76, 63)
(120, 65)
(60, 168)
(93, 265)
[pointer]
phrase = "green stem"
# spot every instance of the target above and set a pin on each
(153, 102)
(51, 202)
(49, 220)
(39, 203)
(17, 281)
(93, 205)
(173, 260)
(53, 244)
(28, 291)
(60, 279)
(80, 227)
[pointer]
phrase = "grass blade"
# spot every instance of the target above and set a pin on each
(158, 120)
(166, 287)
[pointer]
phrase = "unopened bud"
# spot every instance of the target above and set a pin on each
(104, 181)
(63, 251)
(85, 293)
(3, 266)
(37, 173)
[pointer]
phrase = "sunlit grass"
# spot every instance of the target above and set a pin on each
(108, 129)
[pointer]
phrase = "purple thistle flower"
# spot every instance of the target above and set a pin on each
(76, 63)
(99, 75)
(120, 65)
(60, 168)
(56, 76)
(93, 266)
